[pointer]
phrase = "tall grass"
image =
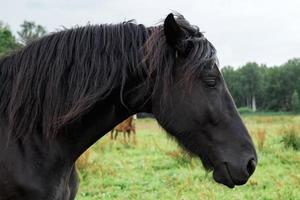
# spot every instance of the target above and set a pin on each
(291, 138)
(83, 160)
(260, 137)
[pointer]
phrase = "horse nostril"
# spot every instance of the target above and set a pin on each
(251, 166)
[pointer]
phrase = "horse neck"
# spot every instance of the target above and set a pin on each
(102, 118)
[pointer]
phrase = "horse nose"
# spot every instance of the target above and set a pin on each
(251, 166)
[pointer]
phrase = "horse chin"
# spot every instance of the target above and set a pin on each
(207, 164)
(221, 174)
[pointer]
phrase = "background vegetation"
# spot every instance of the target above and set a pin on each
(155, 168)
(28, 32)
(272, 88)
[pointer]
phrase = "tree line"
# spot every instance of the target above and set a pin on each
(254, 86)
(28, 32)
(259, 87)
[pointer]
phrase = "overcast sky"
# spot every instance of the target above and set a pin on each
(265, 31)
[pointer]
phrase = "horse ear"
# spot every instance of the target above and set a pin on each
(174, 34)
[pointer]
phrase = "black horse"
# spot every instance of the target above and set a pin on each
(61, 93)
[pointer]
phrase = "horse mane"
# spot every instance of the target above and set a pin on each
(55, 80)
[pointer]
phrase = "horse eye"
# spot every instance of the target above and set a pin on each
(210, 82)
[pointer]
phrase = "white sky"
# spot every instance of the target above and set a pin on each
(265, 31)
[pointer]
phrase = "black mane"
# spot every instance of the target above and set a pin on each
(56, 79)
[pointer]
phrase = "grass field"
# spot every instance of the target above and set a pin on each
(155, 168)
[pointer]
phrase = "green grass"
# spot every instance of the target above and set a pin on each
(155, 168)
(291, 137)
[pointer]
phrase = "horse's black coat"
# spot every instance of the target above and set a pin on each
(62, 93)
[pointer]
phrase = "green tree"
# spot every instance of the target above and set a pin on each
(295, 102)
(250, 81)
(8, 42)
(281, 82)
(267, 88)
(30, 31)
(232, 78)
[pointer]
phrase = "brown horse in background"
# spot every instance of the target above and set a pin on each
(127, 126)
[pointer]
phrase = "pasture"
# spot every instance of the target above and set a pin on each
(156, 168)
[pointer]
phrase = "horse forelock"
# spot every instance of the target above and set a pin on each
(161, 58)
